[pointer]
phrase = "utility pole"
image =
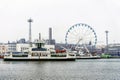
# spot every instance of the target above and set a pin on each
(30, 38)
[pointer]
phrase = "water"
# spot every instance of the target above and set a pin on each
(92, 69)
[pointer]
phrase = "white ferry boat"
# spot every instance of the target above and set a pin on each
(87, 56)
(40, 53)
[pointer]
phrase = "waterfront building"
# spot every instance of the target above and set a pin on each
(114, 49)
(19, 45)
(100, 49)
(52, 42)
(22, 40)
(11, 46)
(22, 47)
(3, 48)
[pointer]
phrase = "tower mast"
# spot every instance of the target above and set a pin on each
(30, 38)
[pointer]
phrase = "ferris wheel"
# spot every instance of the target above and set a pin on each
(81, 34)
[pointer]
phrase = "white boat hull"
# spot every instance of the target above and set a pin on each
(39, 59)
(88, 57)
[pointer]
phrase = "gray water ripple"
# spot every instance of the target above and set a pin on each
(93, 69)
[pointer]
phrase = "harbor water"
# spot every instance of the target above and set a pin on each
(88, 69)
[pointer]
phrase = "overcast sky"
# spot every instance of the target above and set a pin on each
(60, 15)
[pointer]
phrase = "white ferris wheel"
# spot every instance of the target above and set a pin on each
(81, 35)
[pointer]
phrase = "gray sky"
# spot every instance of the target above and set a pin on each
(60, 15)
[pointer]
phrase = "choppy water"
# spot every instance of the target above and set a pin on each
(92, 69)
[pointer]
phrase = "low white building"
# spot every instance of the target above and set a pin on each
(22, 47)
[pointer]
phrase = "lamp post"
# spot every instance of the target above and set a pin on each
(106, 40)
(30, 38)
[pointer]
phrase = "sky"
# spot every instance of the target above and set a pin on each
(60, 15)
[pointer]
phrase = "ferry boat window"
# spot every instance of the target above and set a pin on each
(52, 52)
(34, 54)
(71, 54)
(44, 55)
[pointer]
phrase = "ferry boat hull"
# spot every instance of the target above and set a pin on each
(88, 57)
(47, 59)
